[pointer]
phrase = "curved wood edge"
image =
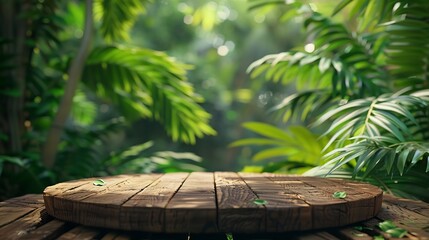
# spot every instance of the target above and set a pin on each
(153, 215)
(41, 226)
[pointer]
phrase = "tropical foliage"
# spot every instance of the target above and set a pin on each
(42, 70)
(361, 83)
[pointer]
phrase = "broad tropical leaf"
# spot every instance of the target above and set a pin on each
(297, 144)
(146, 83)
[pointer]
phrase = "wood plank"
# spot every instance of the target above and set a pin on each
(22, 226)
(416, 224)
(103, 209)
(236, 210)
(419, 207)
(361, 204)
(326, 210)
(60, 200)
(145, 210)
(285, 210)
(60, 188)
(113, 235)
(350, 233)
(51, 230)
(193, 207)
(30, 200)
(315, 236)
(81, 233)
(9, 214)
(367, 188)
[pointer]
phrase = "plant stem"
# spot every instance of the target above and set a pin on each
(74, 74)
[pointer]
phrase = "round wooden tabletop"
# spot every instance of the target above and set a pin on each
(203, 202)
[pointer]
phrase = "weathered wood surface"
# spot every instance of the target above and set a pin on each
(202, 202)
(33, 222)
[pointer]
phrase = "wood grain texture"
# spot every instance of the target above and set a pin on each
(237, 211)
(106, 206)
(193, 207)
(146, 210)
(20, 227)
(285, 211)
(210, 202)
(81, 233)
(38, 225)
(51, 230)
(416, 223)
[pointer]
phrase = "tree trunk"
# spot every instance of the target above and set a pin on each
(74, 74)
(15, 30)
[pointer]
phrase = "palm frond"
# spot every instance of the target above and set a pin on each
(304, 106)
(376, 135)
(342, 62)
(296, 144)
(386, 131)
(370, 13)
(148, 83)
(408, 51)
(380, 153)
(388, 115)
(117, 17)
(412, 184)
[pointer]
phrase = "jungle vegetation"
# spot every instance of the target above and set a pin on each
(102, 87)
(360, 109)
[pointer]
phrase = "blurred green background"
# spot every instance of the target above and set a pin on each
(103, 87)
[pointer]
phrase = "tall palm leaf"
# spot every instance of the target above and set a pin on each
(349, 87)
(150, 84)
(144, 83)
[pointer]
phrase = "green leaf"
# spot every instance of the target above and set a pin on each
(378, 237)
(390, 228)
(339, 195)
(270, 153)
(255, 141)
(229, 236)
(99, 182)
(260, 202)
(386, 225)
(267, 131)
(14, 160)
(117, 17)
(397, 232)
(402, 160)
